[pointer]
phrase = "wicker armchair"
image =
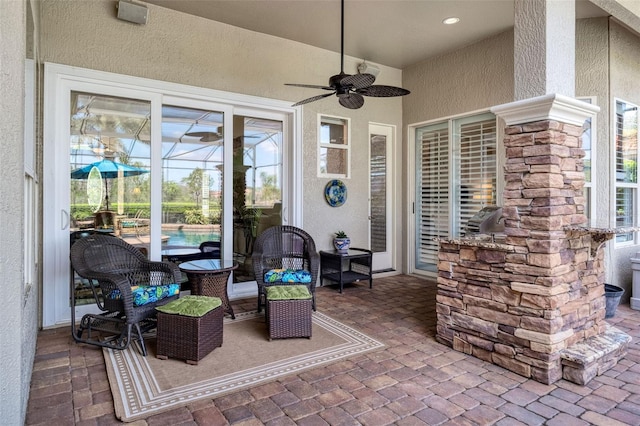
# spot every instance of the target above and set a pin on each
(284, 247)
(116, 267)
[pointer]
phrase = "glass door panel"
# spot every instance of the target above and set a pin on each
(432, 193)
(257, 185)
(456, 176)
(380, 206)
(192, 158)
(109, 170)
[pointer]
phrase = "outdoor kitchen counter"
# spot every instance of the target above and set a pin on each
(496, 242)
(482, 241)
(599, 236)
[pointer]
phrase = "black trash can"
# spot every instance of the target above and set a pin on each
(612, 294)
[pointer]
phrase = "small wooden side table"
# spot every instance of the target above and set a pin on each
(346, 267)
(209, 277)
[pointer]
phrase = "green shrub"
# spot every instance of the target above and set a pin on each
(195, 217)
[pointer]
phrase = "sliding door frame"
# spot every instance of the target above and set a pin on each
(60, 80)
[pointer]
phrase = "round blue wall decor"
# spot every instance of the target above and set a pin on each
(335, 193)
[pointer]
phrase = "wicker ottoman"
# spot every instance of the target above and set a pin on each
(189, 328)
(288, 311)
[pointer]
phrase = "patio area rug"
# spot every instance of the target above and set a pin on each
(144, 386)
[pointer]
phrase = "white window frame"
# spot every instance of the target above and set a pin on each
(591, 185)
(346, 146)
(31, 230)
(635, 186)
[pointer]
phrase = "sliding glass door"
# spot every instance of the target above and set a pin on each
(109, 163)
(159, 171)
(456, 176)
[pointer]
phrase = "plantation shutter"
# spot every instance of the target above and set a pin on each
(432, 198)
(476, 137)
(456, 176)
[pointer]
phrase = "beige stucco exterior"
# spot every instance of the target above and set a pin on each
(184, 49)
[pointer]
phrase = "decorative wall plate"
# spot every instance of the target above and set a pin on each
(335, 193)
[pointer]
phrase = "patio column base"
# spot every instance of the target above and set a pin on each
(592, 357)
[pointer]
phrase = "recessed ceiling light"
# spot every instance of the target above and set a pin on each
(451, 21)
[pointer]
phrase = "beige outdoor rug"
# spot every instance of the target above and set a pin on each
(144, 386)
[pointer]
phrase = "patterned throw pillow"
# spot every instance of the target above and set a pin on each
(144, 294)
(287, 276)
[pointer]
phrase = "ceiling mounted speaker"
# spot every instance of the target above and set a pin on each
(132, 12)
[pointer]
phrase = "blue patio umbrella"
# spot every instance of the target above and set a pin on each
(108, 169)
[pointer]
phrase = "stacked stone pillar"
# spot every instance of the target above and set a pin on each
(521, 304)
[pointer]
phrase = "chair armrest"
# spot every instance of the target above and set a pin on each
(258, 269)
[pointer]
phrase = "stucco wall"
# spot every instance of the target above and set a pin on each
(185, 49)
(592, 44)
(17, 346)
(475, 77)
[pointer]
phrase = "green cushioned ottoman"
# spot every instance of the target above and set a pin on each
(189, 328)
(288, 311)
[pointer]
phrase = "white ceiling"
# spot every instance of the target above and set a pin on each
(396, 33)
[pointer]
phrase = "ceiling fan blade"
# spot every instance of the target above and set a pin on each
(351, 101)
(380, 91)
(205, 136)
(358, 81)
(200, 134)
(315, 98)
(310, 86)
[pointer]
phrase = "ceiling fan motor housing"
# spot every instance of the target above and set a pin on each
(365, 68)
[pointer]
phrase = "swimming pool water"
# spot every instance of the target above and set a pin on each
(180, 237)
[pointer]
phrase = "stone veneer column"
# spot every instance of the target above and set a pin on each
(523, 303)
(552, 269)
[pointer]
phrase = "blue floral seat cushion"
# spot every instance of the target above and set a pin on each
(287, 276)
(144, 294)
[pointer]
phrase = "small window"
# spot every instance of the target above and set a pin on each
(333, 147)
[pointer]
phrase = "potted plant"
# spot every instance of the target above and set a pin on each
(341, 241)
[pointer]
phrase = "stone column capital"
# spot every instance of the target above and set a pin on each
(555, 106)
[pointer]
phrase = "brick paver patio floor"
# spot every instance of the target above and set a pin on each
(413, 381)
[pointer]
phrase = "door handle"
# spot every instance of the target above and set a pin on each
(64, 220)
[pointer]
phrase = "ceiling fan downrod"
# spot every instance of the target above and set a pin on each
(350, 88)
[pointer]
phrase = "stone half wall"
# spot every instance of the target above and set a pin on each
(522, 303)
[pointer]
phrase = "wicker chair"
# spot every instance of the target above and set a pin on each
(117, 266)
(284, 247)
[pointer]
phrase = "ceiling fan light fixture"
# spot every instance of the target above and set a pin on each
(365, 68)
(451, 20)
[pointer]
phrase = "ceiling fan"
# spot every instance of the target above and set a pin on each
(350, 89)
